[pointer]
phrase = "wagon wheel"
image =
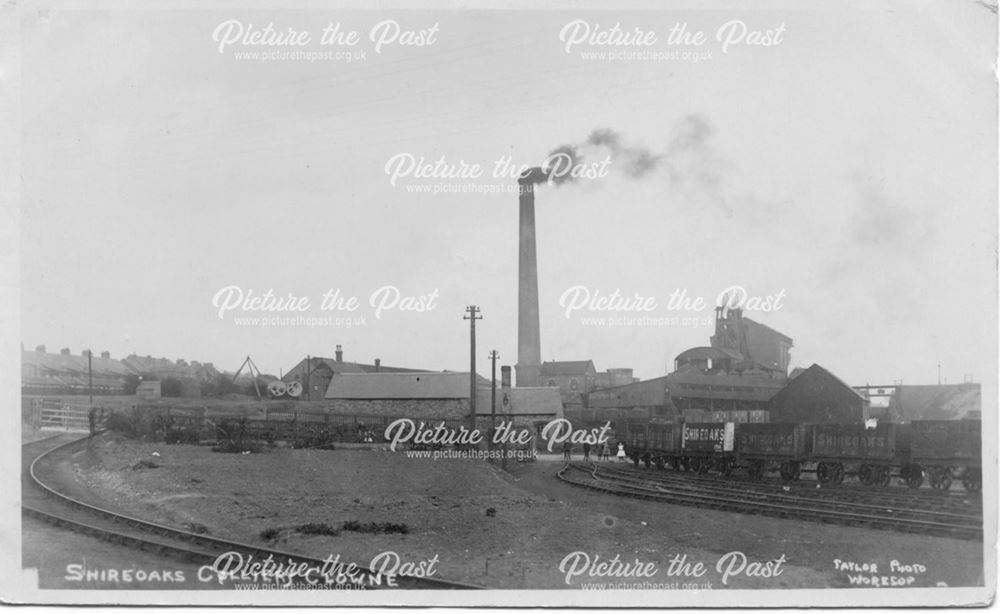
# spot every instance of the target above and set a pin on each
(838, 473)
(705, 465)
(790, 471)
(824, 473)
(784, 471)
(972, 480)
(945, 478)
(883, 475)
(914, 475)
(940, 478)
(725, 466)
(865, 474)
(756, 469)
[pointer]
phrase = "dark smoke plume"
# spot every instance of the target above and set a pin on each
(689, 161)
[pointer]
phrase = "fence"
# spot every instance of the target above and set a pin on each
(63, 415)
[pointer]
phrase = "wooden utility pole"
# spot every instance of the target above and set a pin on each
(90, 376)
(493, 395)
(473, 312)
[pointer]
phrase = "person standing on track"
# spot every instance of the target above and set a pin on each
(567, 451)
(621, 451)
(605, 452)
(586, 451)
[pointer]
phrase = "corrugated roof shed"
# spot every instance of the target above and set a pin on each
(401, 386)
(695, 384)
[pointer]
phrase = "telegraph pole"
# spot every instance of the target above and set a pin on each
(473, 312)
(90, 376)
(493, 392)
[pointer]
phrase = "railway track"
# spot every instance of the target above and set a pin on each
(43, 501)
(959, 501)
(766, 502)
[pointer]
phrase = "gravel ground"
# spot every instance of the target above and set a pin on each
(535, 521)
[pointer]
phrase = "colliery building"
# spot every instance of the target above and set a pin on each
(816, 395)
(576, 378)
(437, 395)
(315, 373)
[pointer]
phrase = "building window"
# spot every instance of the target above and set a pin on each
(573, 384)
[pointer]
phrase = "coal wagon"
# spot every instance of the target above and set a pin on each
(942, 449)
(775, 445)
(869, 452)
(707, 445)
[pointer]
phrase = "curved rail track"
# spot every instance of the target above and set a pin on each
(960, 501)
(911, 516)
(44, 502)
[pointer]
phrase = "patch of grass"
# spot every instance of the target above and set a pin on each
(144, 464)
(375, 527)
(182, 435)
(322, 528)
(316, 528)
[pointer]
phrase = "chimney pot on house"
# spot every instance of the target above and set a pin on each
(105, 354)
(40, 348)
(378, 364)
(64, 351)
(339, 354)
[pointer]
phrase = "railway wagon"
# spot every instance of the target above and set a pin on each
(775, 445)
(740, 416)
(633, 435)
(871, 453)
(941, 448)
(707, 445)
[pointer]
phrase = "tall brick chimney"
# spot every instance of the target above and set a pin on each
(339, 354)
(378, 364)
(529, 353)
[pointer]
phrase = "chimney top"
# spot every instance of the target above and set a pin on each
(40, 348)
(339, 354)
(64, 351)
(105, 354)
(378, 364)
(85, 353)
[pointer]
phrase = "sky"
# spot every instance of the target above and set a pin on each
(848, 168)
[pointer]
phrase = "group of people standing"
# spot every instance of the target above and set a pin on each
(603, 451)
